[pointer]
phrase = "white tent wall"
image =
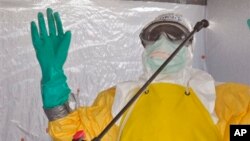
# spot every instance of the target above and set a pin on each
(199, 2)
(104, 51)
(228, 40)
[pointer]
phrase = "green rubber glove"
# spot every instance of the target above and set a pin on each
(51, 52)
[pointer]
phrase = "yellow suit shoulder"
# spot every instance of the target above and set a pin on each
(232, 106)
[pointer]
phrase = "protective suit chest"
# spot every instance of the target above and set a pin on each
(166, 113)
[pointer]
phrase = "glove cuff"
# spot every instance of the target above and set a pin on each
(55, 92)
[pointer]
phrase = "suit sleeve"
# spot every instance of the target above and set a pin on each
(91, 119)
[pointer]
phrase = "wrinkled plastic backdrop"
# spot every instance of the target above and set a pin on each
(228, 40)
(104, 51)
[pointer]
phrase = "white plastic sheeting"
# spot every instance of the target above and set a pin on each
(228, 40)
(105, 50)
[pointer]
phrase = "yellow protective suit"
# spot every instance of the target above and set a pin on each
(182, 113)
(232, 106)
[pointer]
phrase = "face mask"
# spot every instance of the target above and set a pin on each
(155, 54)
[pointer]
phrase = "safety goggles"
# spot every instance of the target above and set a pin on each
(175, 31)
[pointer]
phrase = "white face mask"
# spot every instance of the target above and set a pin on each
(155, 54)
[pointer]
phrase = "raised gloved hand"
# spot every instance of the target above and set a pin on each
(51, 51)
